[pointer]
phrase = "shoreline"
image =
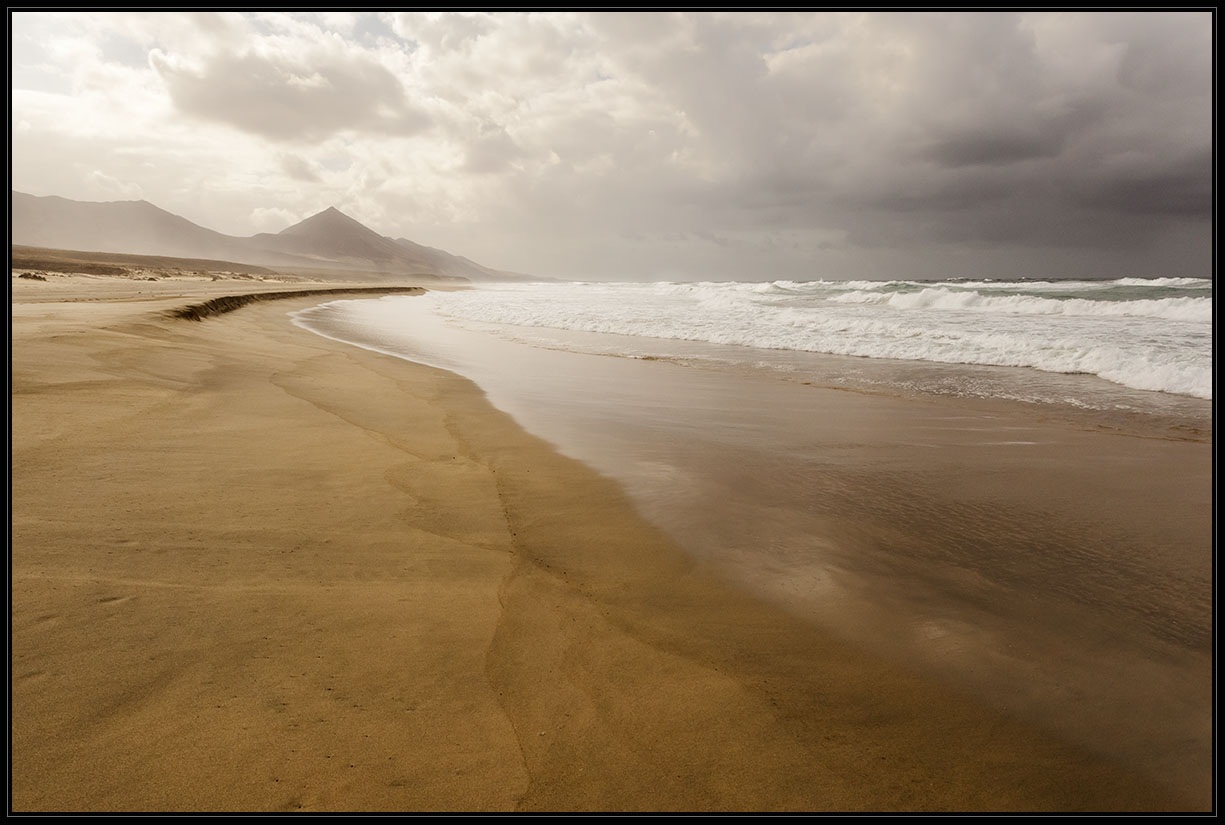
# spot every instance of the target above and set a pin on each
(954, 537)
(257, 569)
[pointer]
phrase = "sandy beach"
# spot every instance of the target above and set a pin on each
(257, 569)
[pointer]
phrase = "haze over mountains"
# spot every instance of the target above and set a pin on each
(330, 240)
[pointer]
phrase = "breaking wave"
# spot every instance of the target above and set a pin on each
(1145, 334)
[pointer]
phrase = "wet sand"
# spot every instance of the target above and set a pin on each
(1052, 560)
(256, 569)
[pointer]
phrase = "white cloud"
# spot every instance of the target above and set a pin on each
(109, 188)
(272, 219)
(294, 97)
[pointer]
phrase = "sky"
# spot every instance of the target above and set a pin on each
(651, 145)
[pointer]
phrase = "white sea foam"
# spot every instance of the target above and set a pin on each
(1109, 329)
(1180, 309)
(1201, 283)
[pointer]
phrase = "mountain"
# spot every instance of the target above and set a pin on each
(444, 263)
(334, 237)
(125, 226)
(328, 240)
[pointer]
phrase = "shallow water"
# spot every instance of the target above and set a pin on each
(1047, 556)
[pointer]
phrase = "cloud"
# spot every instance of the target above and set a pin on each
(299, 168)
(110, 188)
(851, 138)
(272, 219)
(1153, 185)
(492, 152)
(295, 92)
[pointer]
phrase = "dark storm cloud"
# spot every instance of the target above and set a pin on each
(1178, 187)
(288, 98)
(970, 129)
(994, 149)
(921, 140)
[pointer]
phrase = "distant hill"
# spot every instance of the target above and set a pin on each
(444, 263)
(328, 240)
(125, 226)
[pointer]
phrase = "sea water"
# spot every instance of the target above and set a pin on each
(1143, 334)
(1003, 484)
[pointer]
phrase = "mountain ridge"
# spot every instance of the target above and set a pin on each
(327, 239)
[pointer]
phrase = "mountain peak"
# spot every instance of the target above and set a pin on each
(330, 219)
(326, 240)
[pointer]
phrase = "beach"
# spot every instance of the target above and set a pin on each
(257, 569)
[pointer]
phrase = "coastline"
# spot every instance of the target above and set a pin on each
(257, 569)
(1047, 561)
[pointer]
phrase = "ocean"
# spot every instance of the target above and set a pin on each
(1004, 485)
(1143, 334)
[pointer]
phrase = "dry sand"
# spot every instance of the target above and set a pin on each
(256, 569)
